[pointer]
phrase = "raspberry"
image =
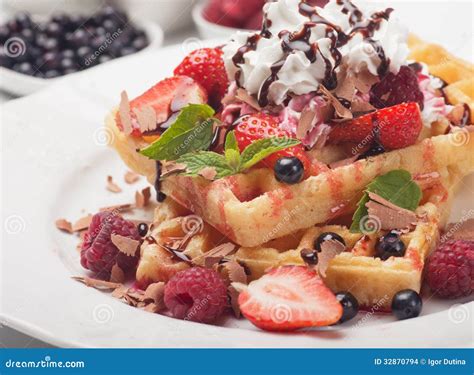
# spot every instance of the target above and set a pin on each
(395, 89)
(197, 294)
(451, 269)
(98, 253)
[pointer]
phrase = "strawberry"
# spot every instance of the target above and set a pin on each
(166, 97)
(261, 125)
(393, 127)
(206, 67)
(288, 298)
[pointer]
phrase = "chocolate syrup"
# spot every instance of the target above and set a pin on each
(466, 116)
(238, 58)
(263, 93)
(160, 197)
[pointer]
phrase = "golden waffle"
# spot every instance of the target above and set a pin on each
(253, 208)
(173, 224)
(458, 74)
(371, 280)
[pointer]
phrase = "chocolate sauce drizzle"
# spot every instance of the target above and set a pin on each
(299, 41)
(466, 116)
(160, 196)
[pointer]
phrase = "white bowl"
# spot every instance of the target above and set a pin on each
(171, 15)
(21, 84)
(210, 30)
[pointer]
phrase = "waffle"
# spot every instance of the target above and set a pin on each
(173, 223)
(372, 281)
(253, 208)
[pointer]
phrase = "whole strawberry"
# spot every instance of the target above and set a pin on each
(450, 272)
(206, 67)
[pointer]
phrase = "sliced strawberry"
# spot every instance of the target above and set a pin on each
(166, 97)
(393, 127)
(206, 66)
(261, 125)
(288, 298)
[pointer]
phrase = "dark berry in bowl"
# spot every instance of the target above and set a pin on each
(350, 306)
(389, 245)
(406, 304)
(289, 170)
(327, 236)
(309, 256)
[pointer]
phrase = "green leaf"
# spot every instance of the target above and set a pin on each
(262, 148)
(231, 142)
(196, 161)
(395, 186)
(192, 131)
(233, 159)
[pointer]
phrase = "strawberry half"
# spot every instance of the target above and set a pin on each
(206, 67)
(261, 125)
(289, 298)
(393, 127)
(166, 97)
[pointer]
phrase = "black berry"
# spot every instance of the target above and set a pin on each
(310, 256)
(142, 229)
(389, 245)
(406, 304)
(349, 304)
(326, 236)
(373, 151)
(289, 170)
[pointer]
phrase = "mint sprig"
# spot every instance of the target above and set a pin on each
(395, 186)
(192, 131)
(233, 162)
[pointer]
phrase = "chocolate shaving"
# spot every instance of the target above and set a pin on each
(209, 173)
(329, 249)
(463, 230)
(142, 198)
(245, 97)
(131, 177)
(64, 225)
(126, 245)
(235, 272)
(153, 308)
(364, 81)
(112, 186)
(124, 113)
(341, 111)
(178, 254)
(389, 215)
(171, 167)
(146, 117)
(361, 106)
(82, 224)
(215, 255)
(155, 292)
(119, 207)
(305, 123)
(120, 292)
(117, 275)
(346, 89)
(96, 283)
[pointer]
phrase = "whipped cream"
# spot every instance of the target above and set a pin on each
(301, 46)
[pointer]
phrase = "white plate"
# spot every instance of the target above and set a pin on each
(21, 84)
(54, 164)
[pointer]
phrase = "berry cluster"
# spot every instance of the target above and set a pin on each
(67, 43)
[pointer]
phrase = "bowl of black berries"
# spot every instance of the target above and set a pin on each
(34, 52)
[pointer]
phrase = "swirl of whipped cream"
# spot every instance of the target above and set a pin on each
(339, 34)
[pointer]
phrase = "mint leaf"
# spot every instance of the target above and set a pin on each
(192, 131)
(262, 148)
(233, 159)
(395, 186)
(231, 142)
(196, 161)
